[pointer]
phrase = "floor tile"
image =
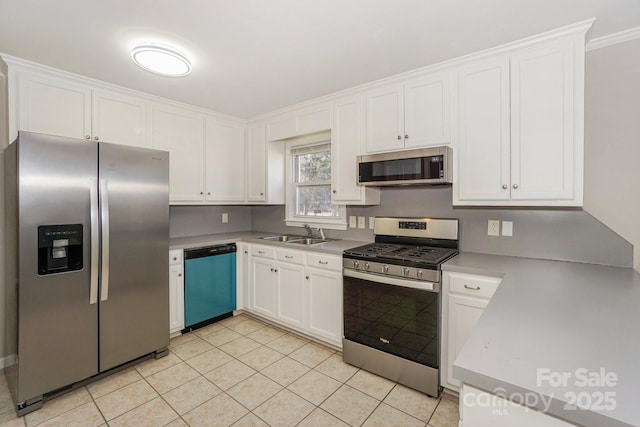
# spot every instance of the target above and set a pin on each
(6, 404)
(373, 385)
(151, 366)
(228, 375)
(172, 377)
(86, 415)
(246, 327)
(314, 386)
(10, 419)
(123, 400)
(260, 358)
(191, 349)
(336, 368)
(179, 422)
(57, 406)
(221, 411)
(191, 394)
(285, 371)
(240, 346)
(350, 405)
(287, 343)
(221, 337)
(254, 391)
(250, 420)
(182, 339)
(284, 409)
(113, 382)
(154, 413)
(311, 354)
(234, 320)
(209, 360)
(208, 330)
(320, 418)
(386, 416)
(446, 414)
(266, 334)
(412, 402)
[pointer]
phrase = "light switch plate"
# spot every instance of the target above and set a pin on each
(352, 221)
(372, 222)
(225, 218)
(507, 228)
(493, 227)
(361, 220)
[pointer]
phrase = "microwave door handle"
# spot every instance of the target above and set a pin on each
(104, 207)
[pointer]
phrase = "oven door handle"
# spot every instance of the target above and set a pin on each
(425, 286)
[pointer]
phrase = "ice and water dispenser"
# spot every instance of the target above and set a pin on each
(59, 248)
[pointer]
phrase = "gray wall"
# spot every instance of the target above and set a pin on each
(612, 139)
(196, 220)
(568, 235)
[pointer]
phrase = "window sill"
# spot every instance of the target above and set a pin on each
(315, 223)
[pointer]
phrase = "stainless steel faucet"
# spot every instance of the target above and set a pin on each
(310, 232)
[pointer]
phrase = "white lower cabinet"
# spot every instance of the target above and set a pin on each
(298, 289)
(176, 291)
(464, 298)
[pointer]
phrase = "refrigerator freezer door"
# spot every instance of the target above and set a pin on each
(58, 332)
(134, 294)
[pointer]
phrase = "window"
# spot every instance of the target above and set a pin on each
(309, 186)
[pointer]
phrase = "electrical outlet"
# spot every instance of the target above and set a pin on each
(507, 228)
(493, 227)
(372, 222)
(352, 221)
(225, 217)
(361, 222)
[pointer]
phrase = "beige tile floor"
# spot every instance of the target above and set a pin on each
(240, 372)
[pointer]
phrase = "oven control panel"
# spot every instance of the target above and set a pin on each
(412, 225)
(422, 274)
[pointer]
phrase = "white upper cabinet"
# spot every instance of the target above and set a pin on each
(265, 167)
(54, 106)
(483, 131)
(346, 142)
(59, 106)
(224, 162)
(121, 119)
(301, 122)
(411, 115)
(520, 128)
(181, 132)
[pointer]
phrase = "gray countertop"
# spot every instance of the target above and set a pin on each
(335, 247)
(552, 317)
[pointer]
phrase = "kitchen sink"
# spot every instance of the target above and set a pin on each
(282, 238)
(308, 241)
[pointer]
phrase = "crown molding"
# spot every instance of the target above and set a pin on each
(615, 38)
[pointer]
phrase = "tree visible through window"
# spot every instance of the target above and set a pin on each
(312, 181)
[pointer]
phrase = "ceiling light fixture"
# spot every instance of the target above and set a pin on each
(161, 60)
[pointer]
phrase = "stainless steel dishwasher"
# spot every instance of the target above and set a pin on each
(210, 284)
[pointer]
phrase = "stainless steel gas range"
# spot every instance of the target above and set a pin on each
(392, 300)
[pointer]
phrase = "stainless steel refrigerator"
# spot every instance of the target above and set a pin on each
(87, 277)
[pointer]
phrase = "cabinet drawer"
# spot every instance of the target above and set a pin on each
(324, 261)
(468, 284)
(175, 257)
(263, 251)
(294, 257)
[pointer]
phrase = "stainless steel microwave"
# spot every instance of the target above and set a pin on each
(427, 166)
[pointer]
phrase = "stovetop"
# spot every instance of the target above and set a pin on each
(399, 254)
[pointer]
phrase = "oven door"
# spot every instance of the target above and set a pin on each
(400, 317)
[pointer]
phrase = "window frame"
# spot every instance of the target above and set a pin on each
(291, 187)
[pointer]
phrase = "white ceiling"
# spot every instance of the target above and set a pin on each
(255, 56)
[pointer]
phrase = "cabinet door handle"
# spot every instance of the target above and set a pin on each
(307, 277)
(323, 262)
(515, 186)
(272, 269)
(260, 252)
(334, 191)
(288, 256)
(175, 258)
(97, 138)
(275, 270)
(208, 193)
(477, 288)
(399, 137)
(201, 193)
(262, 194)
(179, 274)
(505, 186)
(246, 252)
(406, 137)
(87, 137)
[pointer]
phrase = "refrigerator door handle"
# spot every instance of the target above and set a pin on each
(95, 240)
(104, 208)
